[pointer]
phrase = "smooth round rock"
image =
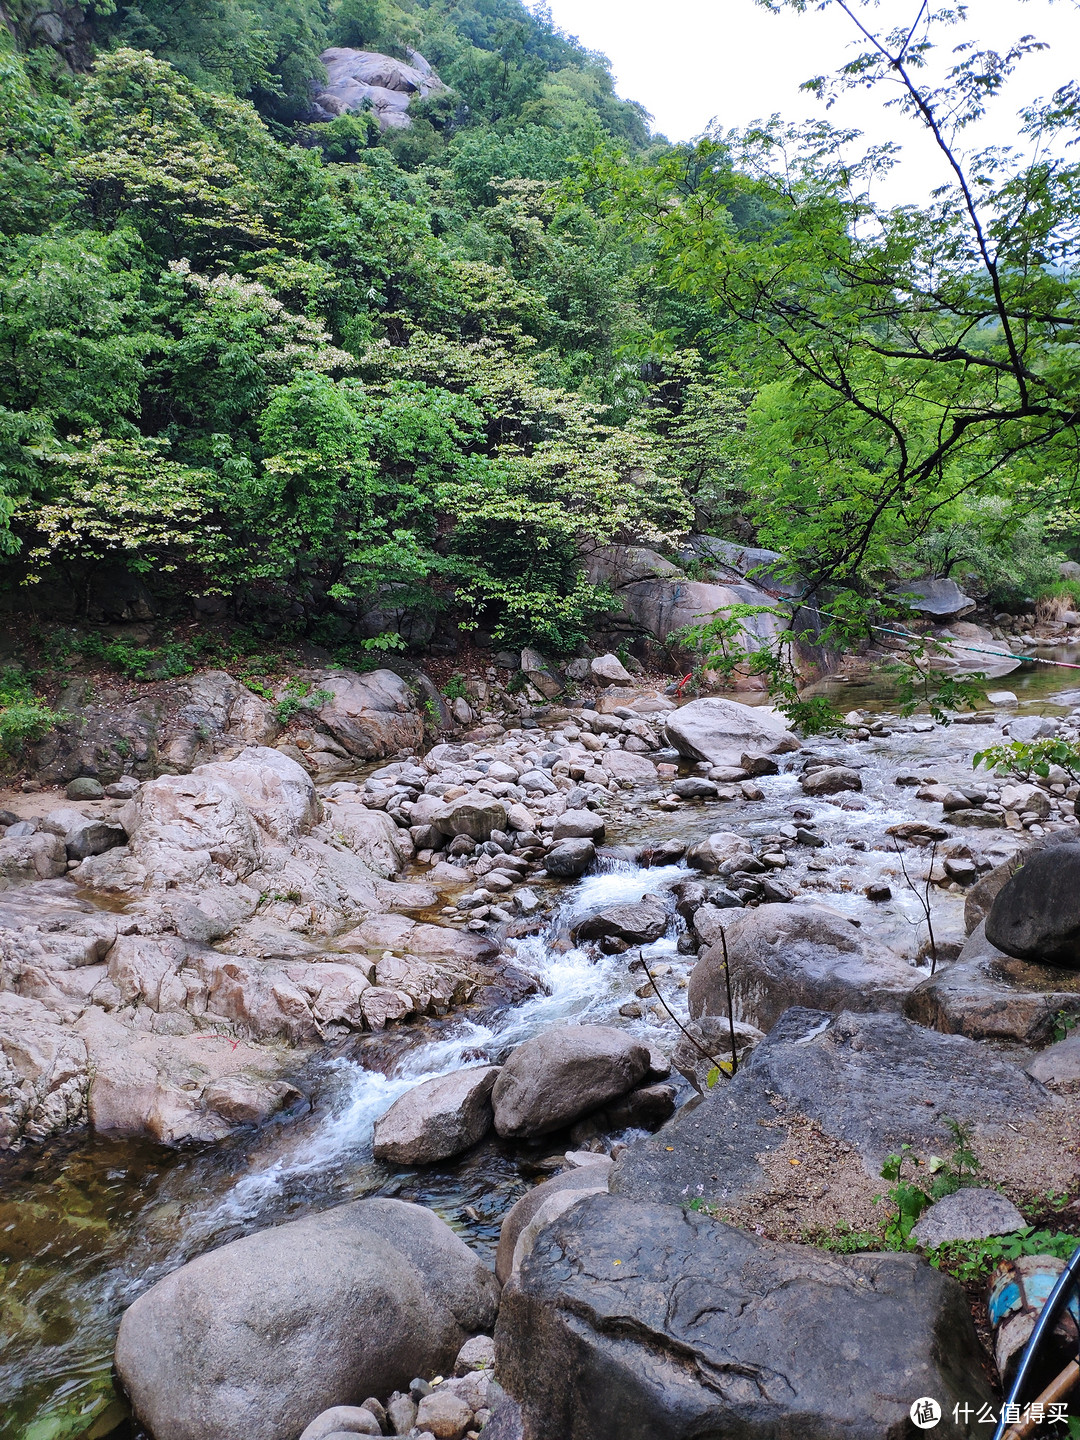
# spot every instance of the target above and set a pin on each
(84, 788)
(342, 1420)
(1036, 915)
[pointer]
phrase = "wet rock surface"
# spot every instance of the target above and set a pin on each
(437, 1119)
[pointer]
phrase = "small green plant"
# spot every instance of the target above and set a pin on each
(24, 717)
(298, 695)
(974, 1259)
(386, 640)
(454, 689)
(844, 1240)
(911, 1193)
(1064, 1023)
(1031, 757)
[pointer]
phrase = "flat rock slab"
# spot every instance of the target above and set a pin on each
(973, 1214)
(866, 1084)
(989, 995)
(646, 1322)
(1058, 1064)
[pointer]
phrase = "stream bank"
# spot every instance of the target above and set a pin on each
(96, 1219)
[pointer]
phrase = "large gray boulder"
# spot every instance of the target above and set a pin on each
(720, 731)
(1058, 1064)
(867, 1084)
(578, 825)
(27, 858)
(84, 835)
(941, 598)
(648, 1322)
(369, 715)
(562, 1074)
(989, 995)
(784, 955)
(440, 1118)
(830, 780)
(476, 815)
(1036, 914)
(260, 1335)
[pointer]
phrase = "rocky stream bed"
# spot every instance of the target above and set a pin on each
(274, 988)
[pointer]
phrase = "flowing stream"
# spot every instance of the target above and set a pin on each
(87, 1223)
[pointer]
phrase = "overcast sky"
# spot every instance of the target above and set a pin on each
(690, 61)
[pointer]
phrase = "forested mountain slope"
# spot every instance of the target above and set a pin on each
(336, 371)
(369, 379)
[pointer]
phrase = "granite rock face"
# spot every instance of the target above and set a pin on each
(359, 79)
(648, 1322)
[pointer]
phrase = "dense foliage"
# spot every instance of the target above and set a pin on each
(364, 380)
(358, 378)
(913, 371)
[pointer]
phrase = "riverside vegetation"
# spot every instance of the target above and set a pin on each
(418, 986)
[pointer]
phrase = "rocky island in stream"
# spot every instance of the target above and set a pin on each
(460, 1136)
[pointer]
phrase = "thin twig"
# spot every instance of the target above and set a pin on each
(924, 899)
(730, 1005)
(717, 1064)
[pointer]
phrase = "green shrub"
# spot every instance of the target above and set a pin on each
(24, 717)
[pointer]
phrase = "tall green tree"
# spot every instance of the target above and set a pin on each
(906, 362)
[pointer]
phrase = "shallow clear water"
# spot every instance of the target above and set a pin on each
(87, 1224)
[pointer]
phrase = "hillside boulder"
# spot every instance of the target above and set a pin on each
(369, 715)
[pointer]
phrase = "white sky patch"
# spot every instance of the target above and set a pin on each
(692, 61)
